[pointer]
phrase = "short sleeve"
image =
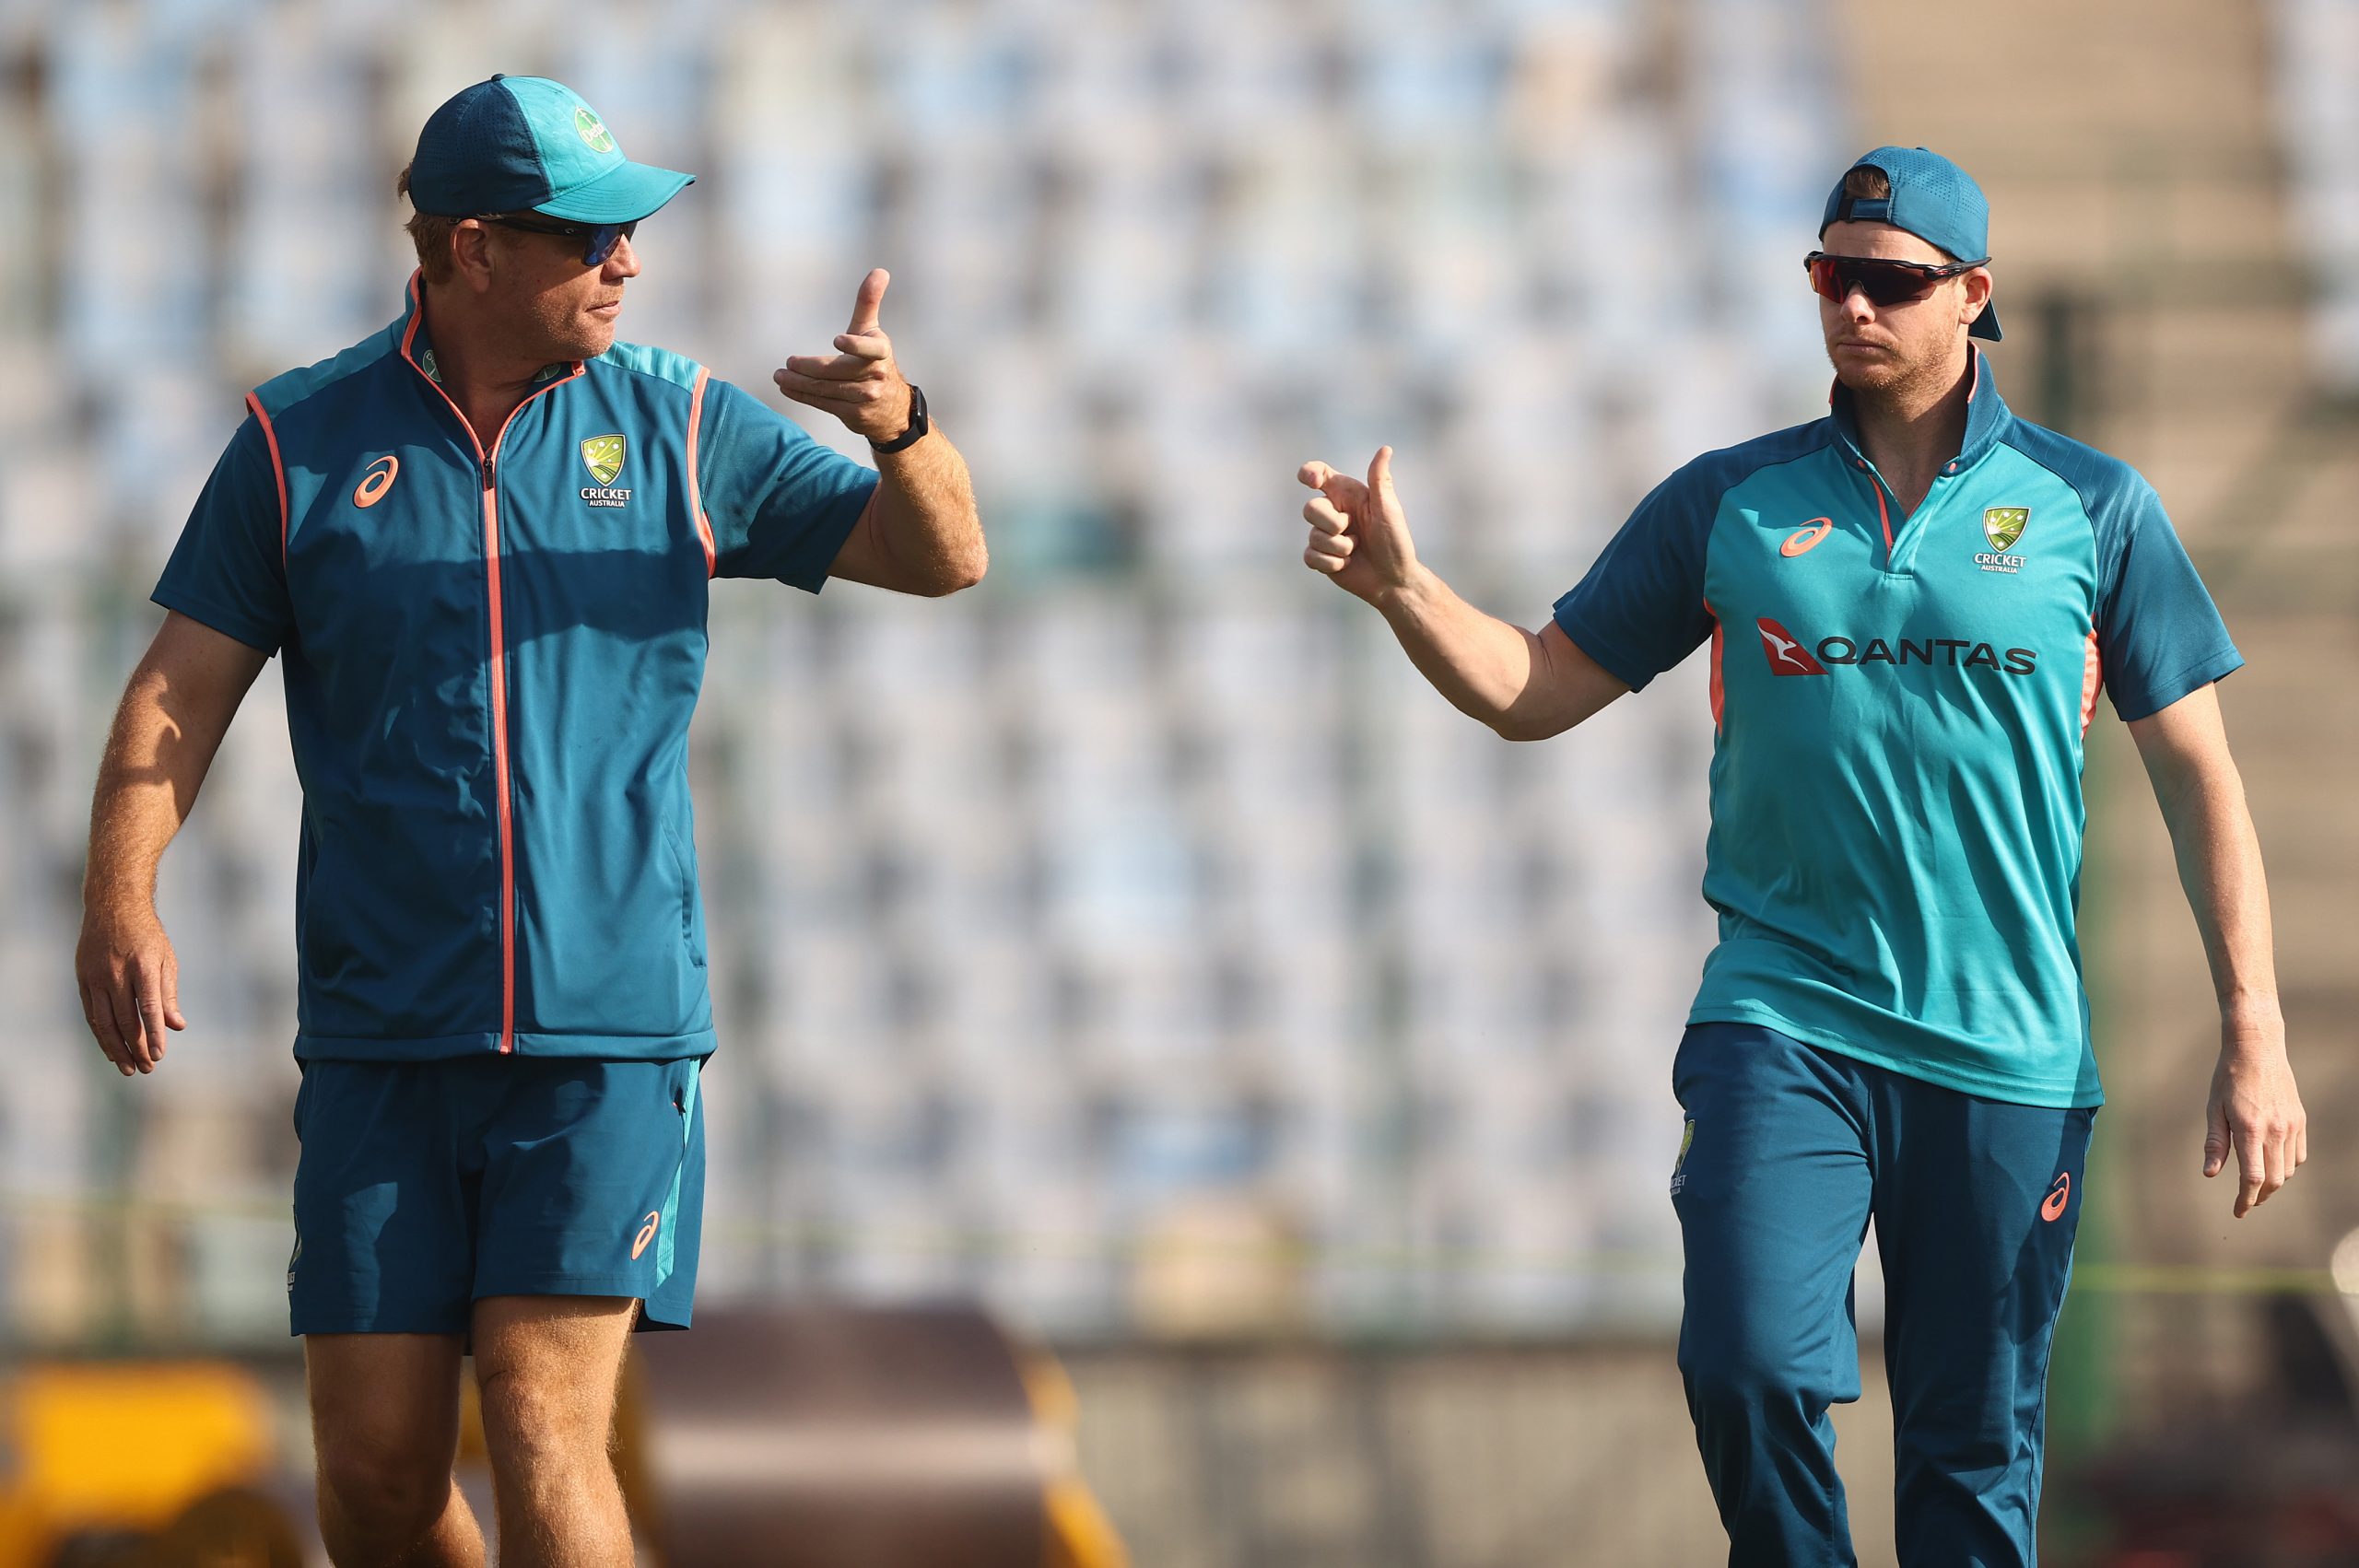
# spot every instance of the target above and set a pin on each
(2159, 635)
(229, 568)
(780, 504)
(1641, 610)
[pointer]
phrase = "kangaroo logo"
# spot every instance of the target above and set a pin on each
(1785, 651)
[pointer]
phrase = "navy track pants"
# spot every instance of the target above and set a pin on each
(1789, 1149)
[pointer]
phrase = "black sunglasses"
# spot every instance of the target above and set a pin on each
(1884, 282)
(598, 239)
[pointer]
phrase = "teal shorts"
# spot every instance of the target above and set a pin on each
(424, 1187)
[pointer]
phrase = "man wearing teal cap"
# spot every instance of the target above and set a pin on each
(483, 540)
(1912, 606)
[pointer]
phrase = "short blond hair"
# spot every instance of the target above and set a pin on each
(1866, 182)
(431, 232)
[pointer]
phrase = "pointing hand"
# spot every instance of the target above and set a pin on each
(858, 383)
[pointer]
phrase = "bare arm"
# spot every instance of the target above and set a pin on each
(2255, 1109)
(1527, 686)
(919, 533)
(174, 711)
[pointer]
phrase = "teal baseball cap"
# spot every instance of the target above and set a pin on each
(1931, 198)
(518, 144)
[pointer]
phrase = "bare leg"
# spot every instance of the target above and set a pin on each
(548, 1367)
(385, 1421)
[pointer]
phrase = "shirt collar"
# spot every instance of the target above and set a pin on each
(1987, 416)
(417, 344)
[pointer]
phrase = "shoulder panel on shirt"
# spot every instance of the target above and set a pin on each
(1720, 472)
(1640, 609)
(283, 392)
(661, 363)
(2113, 495)
(2159, 635)
(2103, 482)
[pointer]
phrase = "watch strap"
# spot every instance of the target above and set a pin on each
(919, 425)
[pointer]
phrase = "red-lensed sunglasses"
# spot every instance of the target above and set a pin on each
(1884, 282)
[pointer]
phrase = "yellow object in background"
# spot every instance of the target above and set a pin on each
(120, 1445)
(1079, 1533)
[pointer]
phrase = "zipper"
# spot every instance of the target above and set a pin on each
(500, 791)
(489, 468)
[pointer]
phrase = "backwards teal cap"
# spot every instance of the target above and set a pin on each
(515, 144)
(1933, 199)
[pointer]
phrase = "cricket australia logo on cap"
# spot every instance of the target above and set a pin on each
(603, 455)
(2002, 526)
(592, 131)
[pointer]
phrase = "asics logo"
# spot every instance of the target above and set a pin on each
(376, 482)
(2058, 1196)
(646, 1232)
(1785, 651)
(1810, 534)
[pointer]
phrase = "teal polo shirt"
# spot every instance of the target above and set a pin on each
(1899, 706)
(492, 652)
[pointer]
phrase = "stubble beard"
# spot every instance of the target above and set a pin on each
(1895, 380)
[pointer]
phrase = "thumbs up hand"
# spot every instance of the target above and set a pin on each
(1359, 535)
(858, 383)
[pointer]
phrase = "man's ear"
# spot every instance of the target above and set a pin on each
(471, 254)
(1978, 293)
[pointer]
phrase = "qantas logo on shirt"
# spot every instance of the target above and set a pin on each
(1786, 655)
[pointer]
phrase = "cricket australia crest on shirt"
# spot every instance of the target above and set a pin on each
(2002, 526)
(1679, 1165)
(603, 455)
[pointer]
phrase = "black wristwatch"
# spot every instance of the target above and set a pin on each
(919, 425)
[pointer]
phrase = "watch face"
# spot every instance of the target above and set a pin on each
(918, 425)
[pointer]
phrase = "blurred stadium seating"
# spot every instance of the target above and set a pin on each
(1151, 876)
(2317, 54)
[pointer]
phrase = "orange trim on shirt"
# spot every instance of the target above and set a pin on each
(503, 786)
(2091, 681)
(409, 334)
(696, 496)
(1718, 690)
(277, 469)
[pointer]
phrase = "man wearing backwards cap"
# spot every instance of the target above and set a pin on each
(483, 538)
(1912, 604)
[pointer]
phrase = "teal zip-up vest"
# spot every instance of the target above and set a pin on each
(491, 658)
(1899, 705)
